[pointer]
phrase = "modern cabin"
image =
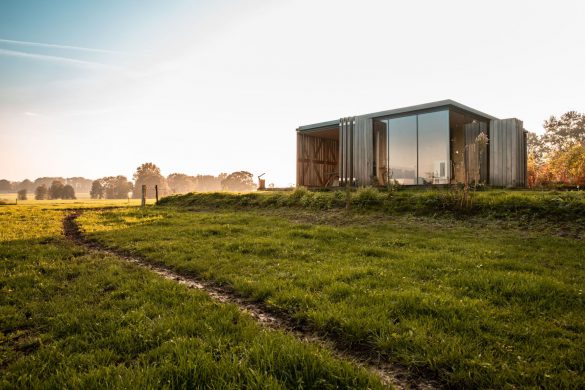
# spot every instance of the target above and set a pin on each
(428, 144)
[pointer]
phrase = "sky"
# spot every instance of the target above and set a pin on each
(95, 88)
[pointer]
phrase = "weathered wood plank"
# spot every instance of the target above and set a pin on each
(316, 160)
(506, 150)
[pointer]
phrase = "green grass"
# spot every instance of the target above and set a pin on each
(475, 303)
(69, 319)
(560, 210)
(83, 201)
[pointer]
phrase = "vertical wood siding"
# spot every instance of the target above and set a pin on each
(346, 130)
(507, 151)
(363, 151)
(317, 161)
(356, 150)
(351, 158)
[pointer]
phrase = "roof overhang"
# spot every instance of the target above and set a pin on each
(403, 111)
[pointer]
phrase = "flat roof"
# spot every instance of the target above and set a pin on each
(404, 110)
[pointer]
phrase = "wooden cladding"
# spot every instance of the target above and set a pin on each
(363, 151)
(508, 153)
(349, 159)
(346, 140)
(317, 161)
(359, 150)
(356, 150)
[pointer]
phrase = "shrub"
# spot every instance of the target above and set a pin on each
(22, 194)
(299, 192)
(365, 197)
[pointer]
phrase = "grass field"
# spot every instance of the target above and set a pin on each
(72, 319)
(483, 298)
(83, 201)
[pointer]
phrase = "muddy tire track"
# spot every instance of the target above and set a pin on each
(266, 316)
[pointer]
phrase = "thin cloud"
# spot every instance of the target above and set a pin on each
(56, 46)
(97, 111)
(58, 59)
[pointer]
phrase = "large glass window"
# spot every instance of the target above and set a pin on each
(457, 125)
(402, 154)
(433, 148)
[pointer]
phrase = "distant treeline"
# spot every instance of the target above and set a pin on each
(148, 174)
(79, 184)
(120, 187)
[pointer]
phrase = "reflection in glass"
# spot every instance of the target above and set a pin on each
(464, 130)
(402, 149)
(380, 169)
(457, 123)
(433, 148)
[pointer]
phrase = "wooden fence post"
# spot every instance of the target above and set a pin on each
(143, 195)
(156, 192)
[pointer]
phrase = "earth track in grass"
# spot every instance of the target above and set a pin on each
(266, 316)
(97, 321)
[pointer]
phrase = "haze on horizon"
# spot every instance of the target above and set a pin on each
(97, 88)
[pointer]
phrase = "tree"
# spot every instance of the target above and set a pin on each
(555, 156)
(97, 190)
(149, 174)
(26, 185)
(47, 181)
(79, 184)
(536, 148)
(208, 183)
(5, 186)
(22, 194)
(146, 169)
(240, 181)
(568, 166)
(68, 192)
(564, 132)
(56, 190)
(181, 183)
(41, 192)
(576, 164)
(116, 187)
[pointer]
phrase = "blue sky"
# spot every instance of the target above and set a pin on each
(124, 28)
(210, 87)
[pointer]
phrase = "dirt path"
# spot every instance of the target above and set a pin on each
(266, 316)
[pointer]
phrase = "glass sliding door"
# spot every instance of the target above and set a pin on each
(402, 152)
(433, 148)
(418, 148)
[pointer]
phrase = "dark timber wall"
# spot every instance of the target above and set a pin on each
(508, 154)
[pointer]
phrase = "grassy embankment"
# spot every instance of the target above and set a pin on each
(474, 301)
(564, 210)
(69, 319)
